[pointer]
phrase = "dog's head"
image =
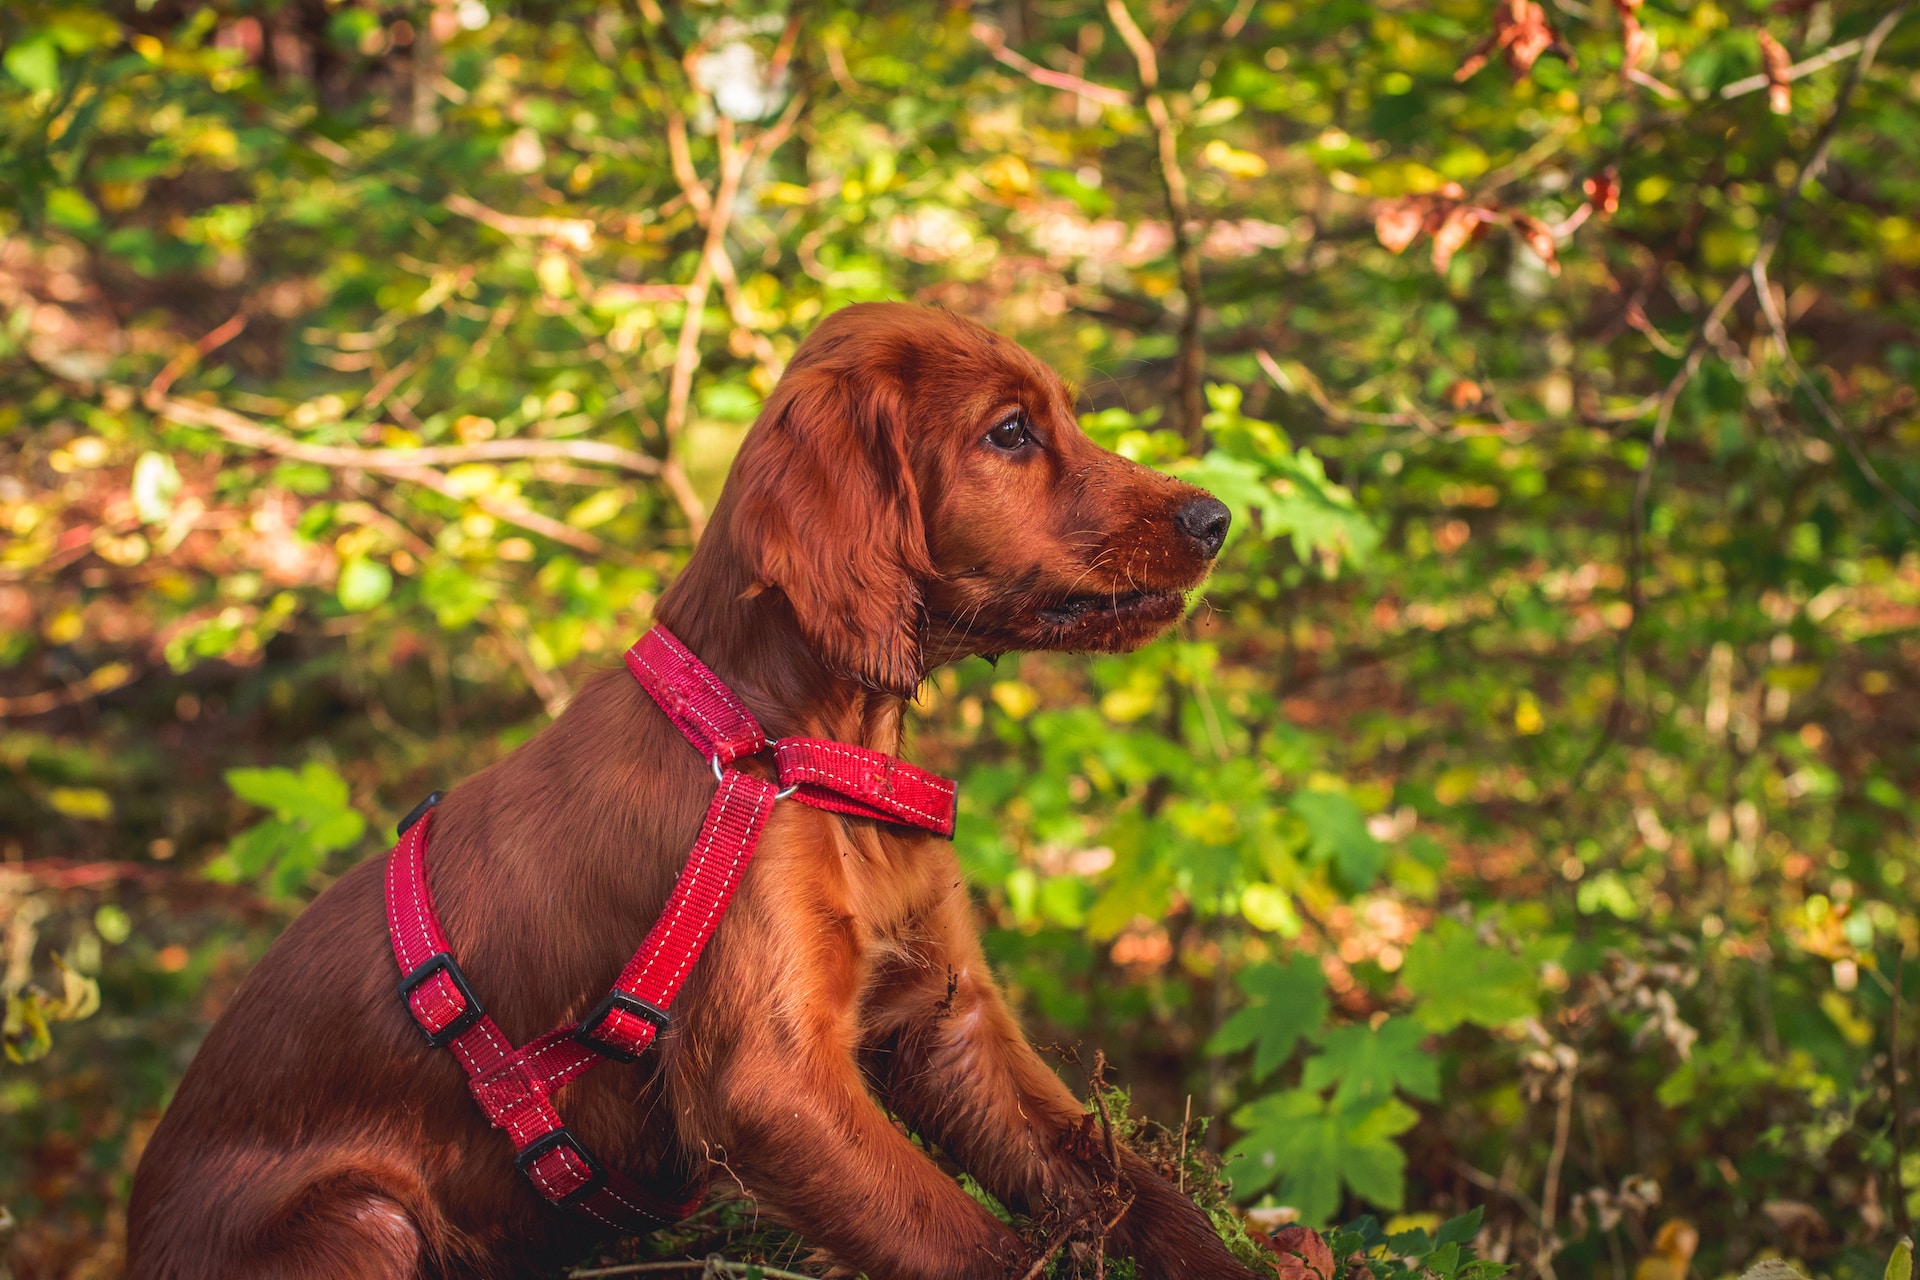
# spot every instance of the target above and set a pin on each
(919, 489)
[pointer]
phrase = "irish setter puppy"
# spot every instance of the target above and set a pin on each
(915, 491)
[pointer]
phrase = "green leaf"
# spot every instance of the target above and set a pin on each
(363, 584)
(1463, 1229)
(1458, 979)
(1339, 835)
(34, 62)
(1289, 1002)
(1900, 1262)
(315, 793)
(1369, 1063)
(1313, 1147)
(72, 210)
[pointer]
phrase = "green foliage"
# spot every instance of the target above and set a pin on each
(1286, 1004)
(1313, 1146)
(1543, 736)
(312, 818)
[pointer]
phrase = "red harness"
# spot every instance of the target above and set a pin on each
(515, 1087)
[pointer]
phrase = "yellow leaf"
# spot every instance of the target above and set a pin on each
(1015, 698)
(1232, 161)
(81, 802)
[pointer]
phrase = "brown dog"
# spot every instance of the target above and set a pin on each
(916, 490)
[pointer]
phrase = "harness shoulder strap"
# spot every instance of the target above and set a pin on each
(513, 1087)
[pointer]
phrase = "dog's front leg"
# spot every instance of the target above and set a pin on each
(788, 1115)
(954, 1065)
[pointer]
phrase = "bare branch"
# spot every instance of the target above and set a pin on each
(575, 233)
(1084, 89)
(417, 465)
(216, 337)
(244, 431)
(1825, 58)
(102, 680)
(1191, 365)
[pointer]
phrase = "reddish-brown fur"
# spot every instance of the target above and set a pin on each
(868, 532)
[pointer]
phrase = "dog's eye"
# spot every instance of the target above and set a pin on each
(1010, 433)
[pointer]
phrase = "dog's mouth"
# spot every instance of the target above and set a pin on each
(1112, 607)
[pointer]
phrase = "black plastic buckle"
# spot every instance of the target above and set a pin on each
(442, 963)
(418, 812)
(562, 1137)
(626, 1004)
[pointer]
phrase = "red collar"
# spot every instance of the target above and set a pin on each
(515, 1086)
(816, 771)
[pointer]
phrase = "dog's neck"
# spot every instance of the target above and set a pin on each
(750, 639)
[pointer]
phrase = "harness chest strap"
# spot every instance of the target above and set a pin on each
(514, 1087)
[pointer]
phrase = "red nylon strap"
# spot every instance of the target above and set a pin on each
(696, 700)
(867, 784)
(719, 858)
(515, 1087)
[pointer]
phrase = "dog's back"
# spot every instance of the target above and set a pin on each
(316, 1134)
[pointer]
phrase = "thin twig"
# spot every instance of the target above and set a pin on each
(1191, 366)
(689, 1264)
(1086, 90)
(575, 233)
(1902, 1219)
(102, 680)
(1825, 58)
(1186, 1123)
(1097, 1082)
(218, 336)
(1550, 1192)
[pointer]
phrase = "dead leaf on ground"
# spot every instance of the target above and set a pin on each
(1302, 1254)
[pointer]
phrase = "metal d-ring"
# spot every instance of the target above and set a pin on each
(719, 775)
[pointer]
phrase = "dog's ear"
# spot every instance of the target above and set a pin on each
(829, 515)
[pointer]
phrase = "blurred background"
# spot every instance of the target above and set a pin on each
(1524, 815)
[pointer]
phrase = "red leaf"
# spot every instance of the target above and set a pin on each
(1462, 224)
(1303, 1254)
(1603, 192)
(1539, 239)
(1398, 222)
(1521, 32)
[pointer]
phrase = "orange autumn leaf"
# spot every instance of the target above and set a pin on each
(1603, 192)
(1539, 238)
(1462, 225)
(1522, 33)
(1302, 1254)
(1398, 223)
(1779, 67)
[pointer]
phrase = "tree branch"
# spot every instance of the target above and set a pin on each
(1086, 90)
(244, 431)
(1192, 360)
(417, 465)
(1825, 58)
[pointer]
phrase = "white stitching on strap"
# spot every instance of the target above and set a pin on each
(821, 744)
(691, 875)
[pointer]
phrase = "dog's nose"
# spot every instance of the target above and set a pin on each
(1205, 520)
